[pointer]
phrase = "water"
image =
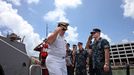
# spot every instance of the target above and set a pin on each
(122, 72)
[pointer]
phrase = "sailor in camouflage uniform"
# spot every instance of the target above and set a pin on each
(81, 58)
(99, 51)
(69, 60)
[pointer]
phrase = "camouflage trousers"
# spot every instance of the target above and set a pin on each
(81, 71)
(99, 72)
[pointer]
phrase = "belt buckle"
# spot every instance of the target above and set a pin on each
(63, 57)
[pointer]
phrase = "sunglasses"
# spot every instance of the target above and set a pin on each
(93, 32)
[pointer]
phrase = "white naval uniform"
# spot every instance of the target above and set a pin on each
(55, 60)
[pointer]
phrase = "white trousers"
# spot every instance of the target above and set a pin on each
(56, 65)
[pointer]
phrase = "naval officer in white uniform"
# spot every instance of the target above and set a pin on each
(55, 60)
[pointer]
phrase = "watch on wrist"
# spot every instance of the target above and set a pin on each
(106, 64)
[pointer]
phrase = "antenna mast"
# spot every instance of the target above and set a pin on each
(46, 30)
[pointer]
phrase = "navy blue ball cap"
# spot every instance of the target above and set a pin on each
(95, 30)
(80, 43)
(68, 44)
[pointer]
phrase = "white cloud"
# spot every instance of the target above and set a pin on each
(63, 4)
(0, 33)
(125, 41)
(59, 14)
(72, 34)
(106, 37)
(32, 10)
(56, 15)
(128, 6)
(133, 32)
(18, 2)
(32, 1)
(11, 20)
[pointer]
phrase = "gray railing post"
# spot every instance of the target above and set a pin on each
(35, 70)
(127, 69)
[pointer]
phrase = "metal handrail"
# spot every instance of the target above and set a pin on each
(32, 66)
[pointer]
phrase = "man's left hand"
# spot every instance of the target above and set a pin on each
(106, 68)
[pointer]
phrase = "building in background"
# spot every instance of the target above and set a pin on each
(122, 55)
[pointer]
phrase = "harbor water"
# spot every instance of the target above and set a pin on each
(122, 72)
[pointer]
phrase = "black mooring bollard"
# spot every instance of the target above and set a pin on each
(127, 69)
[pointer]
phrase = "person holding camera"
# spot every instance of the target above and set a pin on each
(55, 61)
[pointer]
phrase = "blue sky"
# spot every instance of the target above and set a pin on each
(29, 18)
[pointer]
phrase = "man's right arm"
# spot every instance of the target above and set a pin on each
(88, 45)
(88, 42)
(54, 35)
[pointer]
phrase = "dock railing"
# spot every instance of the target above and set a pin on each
(35, 70)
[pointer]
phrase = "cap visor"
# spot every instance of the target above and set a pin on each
(92, 32)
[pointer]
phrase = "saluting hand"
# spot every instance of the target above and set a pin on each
(59, 29)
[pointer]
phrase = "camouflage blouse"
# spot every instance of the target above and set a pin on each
(81, 57)
(98, 53)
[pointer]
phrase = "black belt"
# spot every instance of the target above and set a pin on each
(58, 56)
